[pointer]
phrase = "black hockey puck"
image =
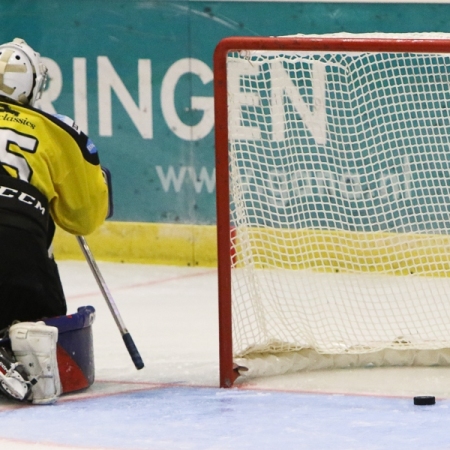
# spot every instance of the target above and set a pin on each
(425, 400)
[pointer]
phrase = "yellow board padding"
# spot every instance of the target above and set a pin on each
(320, 250)
(146, 243)
(344, 251)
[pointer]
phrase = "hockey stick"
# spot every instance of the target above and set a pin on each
(129, 343)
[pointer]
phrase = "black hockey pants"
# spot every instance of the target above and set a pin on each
(30, 287)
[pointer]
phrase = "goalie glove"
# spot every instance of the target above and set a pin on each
(14, 382)
(34, 345)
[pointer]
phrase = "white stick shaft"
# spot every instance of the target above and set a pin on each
(101, 284)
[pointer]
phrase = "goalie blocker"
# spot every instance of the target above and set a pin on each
(63, 343)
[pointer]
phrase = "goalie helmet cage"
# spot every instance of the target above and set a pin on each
(333, 175)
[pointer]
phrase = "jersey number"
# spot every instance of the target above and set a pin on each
(26, 143)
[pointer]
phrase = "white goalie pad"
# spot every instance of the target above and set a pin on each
(34, 345)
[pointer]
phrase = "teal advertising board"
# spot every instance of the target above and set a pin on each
(137, 76)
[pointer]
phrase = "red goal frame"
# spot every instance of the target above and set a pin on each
(416, 44)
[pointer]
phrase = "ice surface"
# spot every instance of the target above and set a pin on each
(175, 403)
(208, 418)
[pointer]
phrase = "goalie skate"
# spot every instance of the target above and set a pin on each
(14, 382)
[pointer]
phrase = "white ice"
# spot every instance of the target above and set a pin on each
(175, 403)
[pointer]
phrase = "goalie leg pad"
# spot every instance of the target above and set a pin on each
(75, 349)
(34, 345)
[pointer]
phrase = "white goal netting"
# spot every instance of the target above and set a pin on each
(340, 183)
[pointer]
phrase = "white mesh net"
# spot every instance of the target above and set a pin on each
(339, 180)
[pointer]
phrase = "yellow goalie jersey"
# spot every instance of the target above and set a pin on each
(50, 153)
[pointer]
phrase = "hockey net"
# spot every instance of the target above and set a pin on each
(333, 180)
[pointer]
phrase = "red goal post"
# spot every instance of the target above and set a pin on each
(387, 185)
